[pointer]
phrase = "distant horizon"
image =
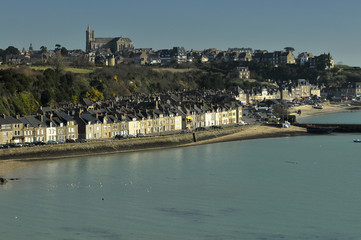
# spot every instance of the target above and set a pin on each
(308, 26)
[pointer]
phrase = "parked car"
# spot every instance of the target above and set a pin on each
(28, 144)
(80, 140)
(70, 140)
(119, 137)
(15, 145)
(141, 135)
(38, 143)
(242, 123)
(200, 129)
(52, 142)
(216, 127)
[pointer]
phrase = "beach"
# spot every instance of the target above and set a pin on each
(12, 159)
(308, 110)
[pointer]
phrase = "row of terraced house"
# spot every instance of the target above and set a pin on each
(96, 124)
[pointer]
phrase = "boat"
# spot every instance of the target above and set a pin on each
(317, 106)
(311, 128)
(357, 140)
(3, 180)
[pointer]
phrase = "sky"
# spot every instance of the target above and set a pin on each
(316, 26)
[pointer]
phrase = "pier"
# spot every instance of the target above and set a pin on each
(336, 127)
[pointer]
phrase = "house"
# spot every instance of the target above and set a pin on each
(258, 55)
(322, 62)
(315, 91)
(209, 116)
(351, 89)
(179, 55)
(239, 94)
(141, 58)
(50, 128)
(204, 59)
(16, 59)
(303, 58)
(153, 59)
(67, 127)
(245, 57)
(165, 56)
(301, 89)
(243, 73)
(133, 125)
(89, 125)
(29, 129)
(286, 57)
(11, 130)
(34, 128)
(275, 58)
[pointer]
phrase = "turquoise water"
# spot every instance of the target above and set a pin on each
(305, 187)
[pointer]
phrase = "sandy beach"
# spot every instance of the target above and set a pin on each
(308, 110)
(241, 133)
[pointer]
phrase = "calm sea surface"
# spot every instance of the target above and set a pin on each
(305, 187)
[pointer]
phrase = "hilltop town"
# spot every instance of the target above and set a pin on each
(134, 92)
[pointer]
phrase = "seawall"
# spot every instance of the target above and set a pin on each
(59, 151)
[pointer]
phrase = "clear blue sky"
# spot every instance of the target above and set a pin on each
(315, 26)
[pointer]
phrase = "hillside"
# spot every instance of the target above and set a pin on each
(23, 89)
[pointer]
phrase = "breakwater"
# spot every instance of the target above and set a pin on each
(337, 127)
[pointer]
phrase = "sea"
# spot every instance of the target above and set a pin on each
(305, 187)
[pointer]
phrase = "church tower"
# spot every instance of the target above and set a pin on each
(89, 38)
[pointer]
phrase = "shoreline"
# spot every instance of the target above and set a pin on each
(10, 162)
(13, 159)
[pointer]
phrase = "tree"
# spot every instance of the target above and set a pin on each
(45, 98)
(64, 51)
(43, 49)
(289, 49)
(12, 50)
(323, 62)
(58, 63)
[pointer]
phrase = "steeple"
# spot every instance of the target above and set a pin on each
(89, 37)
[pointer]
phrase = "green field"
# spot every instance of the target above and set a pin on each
(67, 69)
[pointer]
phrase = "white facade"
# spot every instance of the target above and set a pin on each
(50, 133)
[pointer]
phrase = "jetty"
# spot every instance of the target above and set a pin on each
(349, 128)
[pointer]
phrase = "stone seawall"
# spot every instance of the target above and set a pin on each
(111, 146)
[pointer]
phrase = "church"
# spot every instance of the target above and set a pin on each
(117, 44)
